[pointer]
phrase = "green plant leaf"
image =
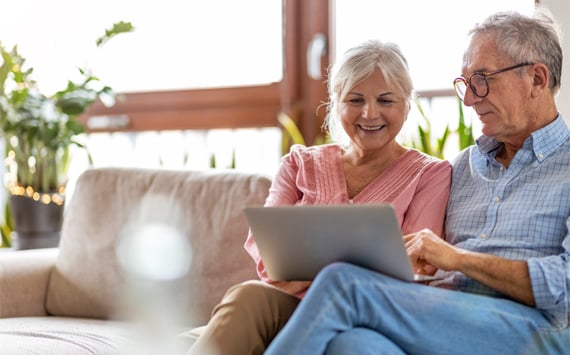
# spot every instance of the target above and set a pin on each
(118, 27)
(464, 131)
(291, 128)
(424, 141)
(7, 227)
(441, 143)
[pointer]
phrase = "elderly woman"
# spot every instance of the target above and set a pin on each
(370, 97)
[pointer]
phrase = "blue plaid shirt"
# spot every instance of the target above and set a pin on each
(519, 213)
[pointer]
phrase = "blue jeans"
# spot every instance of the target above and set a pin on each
(351, 310)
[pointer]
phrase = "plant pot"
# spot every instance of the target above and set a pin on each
(36, 224)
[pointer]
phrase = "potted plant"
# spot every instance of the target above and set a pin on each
(38, 131)
(427, 142)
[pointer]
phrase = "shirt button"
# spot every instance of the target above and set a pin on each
(483, 236)
(350, 202)
(497, 199)
(540, 155)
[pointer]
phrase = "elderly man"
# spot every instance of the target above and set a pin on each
(505, 261)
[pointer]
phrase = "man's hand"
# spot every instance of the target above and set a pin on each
(429, 252)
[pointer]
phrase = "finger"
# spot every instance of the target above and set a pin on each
(410, 239)
(409, 236)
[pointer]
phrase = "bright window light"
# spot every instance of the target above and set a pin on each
(432, 34)
(176, 44)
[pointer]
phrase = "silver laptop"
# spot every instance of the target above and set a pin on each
(296, 242)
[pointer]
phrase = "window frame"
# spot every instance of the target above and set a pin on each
(234, 107)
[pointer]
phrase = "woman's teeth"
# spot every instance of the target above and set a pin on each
(371, 128)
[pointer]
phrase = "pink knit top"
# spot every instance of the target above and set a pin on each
(416, 184)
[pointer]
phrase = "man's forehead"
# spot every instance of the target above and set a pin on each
(481, 55)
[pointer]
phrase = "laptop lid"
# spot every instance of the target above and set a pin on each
(296, 242)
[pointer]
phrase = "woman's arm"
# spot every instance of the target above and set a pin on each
(429, 202)
(283, 191)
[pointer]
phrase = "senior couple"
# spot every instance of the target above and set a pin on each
(494, 224)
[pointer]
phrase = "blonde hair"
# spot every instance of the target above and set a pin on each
(357, 64)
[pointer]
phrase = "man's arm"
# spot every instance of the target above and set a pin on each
(510, 277)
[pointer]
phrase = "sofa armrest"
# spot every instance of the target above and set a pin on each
(24, 277)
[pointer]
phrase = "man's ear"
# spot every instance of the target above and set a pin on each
(540, 78)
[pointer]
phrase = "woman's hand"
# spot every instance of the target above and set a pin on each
(293, 287)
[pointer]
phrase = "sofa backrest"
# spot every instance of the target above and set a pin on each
(88, 280)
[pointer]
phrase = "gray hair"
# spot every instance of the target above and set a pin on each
(524, 38)
(357, 64)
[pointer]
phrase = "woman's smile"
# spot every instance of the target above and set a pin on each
(371, 128)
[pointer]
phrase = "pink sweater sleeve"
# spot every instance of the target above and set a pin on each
(428, 205)
(283, 191)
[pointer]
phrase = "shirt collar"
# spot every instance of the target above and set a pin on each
(543, 142)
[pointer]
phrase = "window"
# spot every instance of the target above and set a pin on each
(431, 33)
(226, 64)
(190, 72)
(176, 44)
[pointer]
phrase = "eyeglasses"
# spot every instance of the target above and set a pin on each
(478, 83)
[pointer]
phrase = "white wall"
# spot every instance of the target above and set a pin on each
(561, 11)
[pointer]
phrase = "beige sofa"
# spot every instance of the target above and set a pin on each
(82, 298)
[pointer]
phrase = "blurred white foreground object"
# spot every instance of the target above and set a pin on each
(155, 256)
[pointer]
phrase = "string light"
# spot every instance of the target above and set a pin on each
(57, 197)
(45, 197)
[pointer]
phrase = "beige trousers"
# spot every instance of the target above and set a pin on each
(246, 320)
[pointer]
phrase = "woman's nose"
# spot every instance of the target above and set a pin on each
(370, 111)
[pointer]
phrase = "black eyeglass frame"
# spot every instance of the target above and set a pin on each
(485, 75)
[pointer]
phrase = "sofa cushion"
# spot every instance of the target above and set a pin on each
(87, 280)
(61, 335)
(24, 277)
